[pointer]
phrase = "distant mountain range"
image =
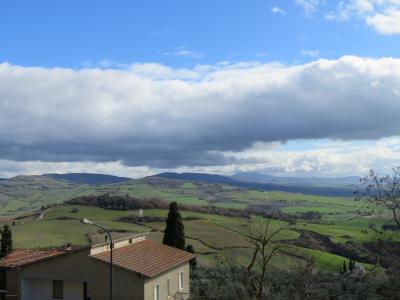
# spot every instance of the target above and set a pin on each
(304, 181)
(344, 186)
(205, 177)
(88, 178)
(340, 186)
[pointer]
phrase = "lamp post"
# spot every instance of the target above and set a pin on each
(86, 221)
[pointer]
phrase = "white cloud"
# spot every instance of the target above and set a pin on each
(182, 51)
(104, 63)
(327, 158)
(387, 22)
(309, 6)
(278, 10)
(11, 168)
(311, 53)
(381, 15)
(154, 116)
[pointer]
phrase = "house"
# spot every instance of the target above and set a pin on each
(142, 270)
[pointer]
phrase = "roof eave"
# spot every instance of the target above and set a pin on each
(148, 276)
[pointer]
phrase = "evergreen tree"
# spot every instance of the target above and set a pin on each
(174, 234)
(344, 268)
(352, 265)
(6, 241)
(192, 262)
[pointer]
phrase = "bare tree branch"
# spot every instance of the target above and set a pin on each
(383, 191)
(261, 236)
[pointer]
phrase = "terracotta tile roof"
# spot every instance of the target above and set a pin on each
(22, 257)
(146, 257)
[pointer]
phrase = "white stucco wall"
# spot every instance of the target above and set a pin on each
(42, 289)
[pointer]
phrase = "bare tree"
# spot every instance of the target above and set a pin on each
(383, 191)
(260, 236)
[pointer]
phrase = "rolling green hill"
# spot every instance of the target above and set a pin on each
(24, 193)
(330, 228)
(216, 238)
(322, 187)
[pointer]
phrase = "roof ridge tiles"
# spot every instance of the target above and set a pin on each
(147, 257)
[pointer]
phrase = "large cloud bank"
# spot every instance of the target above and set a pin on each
(153, 115)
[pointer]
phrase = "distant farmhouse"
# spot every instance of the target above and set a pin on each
(143, 270)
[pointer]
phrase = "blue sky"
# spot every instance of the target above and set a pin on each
(75, 33)
(293, 87)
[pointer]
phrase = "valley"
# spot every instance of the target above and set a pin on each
(217, 218)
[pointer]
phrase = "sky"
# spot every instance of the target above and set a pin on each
(133, 88)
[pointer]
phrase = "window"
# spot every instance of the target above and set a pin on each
(58, 289)
(181, 280)
(156, 292)
(168, 287)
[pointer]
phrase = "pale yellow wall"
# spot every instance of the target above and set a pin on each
(127, 285)
(117, 243)
(80, 267)
(74, 266)
(42, 289)
(162, 280)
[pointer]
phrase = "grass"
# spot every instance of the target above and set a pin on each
(230, 205)
(88, 212)
(50, 233)
(215, 237)
(55, 232)
(322, 260)
(356, 229)
(188, 185)
(25, 193)
(327, 209)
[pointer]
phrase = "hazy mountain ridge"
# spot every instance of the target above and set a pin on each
(308, 181)
(88, 178)
(338, 190)
(211, 178)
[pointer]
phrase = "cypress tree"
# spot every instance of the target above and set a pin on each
(344, 268)
(352, 265)
(174, 234)
(6, 241)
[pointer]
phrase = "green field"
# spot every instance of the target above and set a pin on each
(215, 237)
(32, 192)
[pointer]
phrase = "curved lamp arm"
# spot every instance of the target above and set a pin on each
(87, 221)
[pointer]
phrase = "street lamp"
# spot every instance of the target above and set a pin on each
(87, 221)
